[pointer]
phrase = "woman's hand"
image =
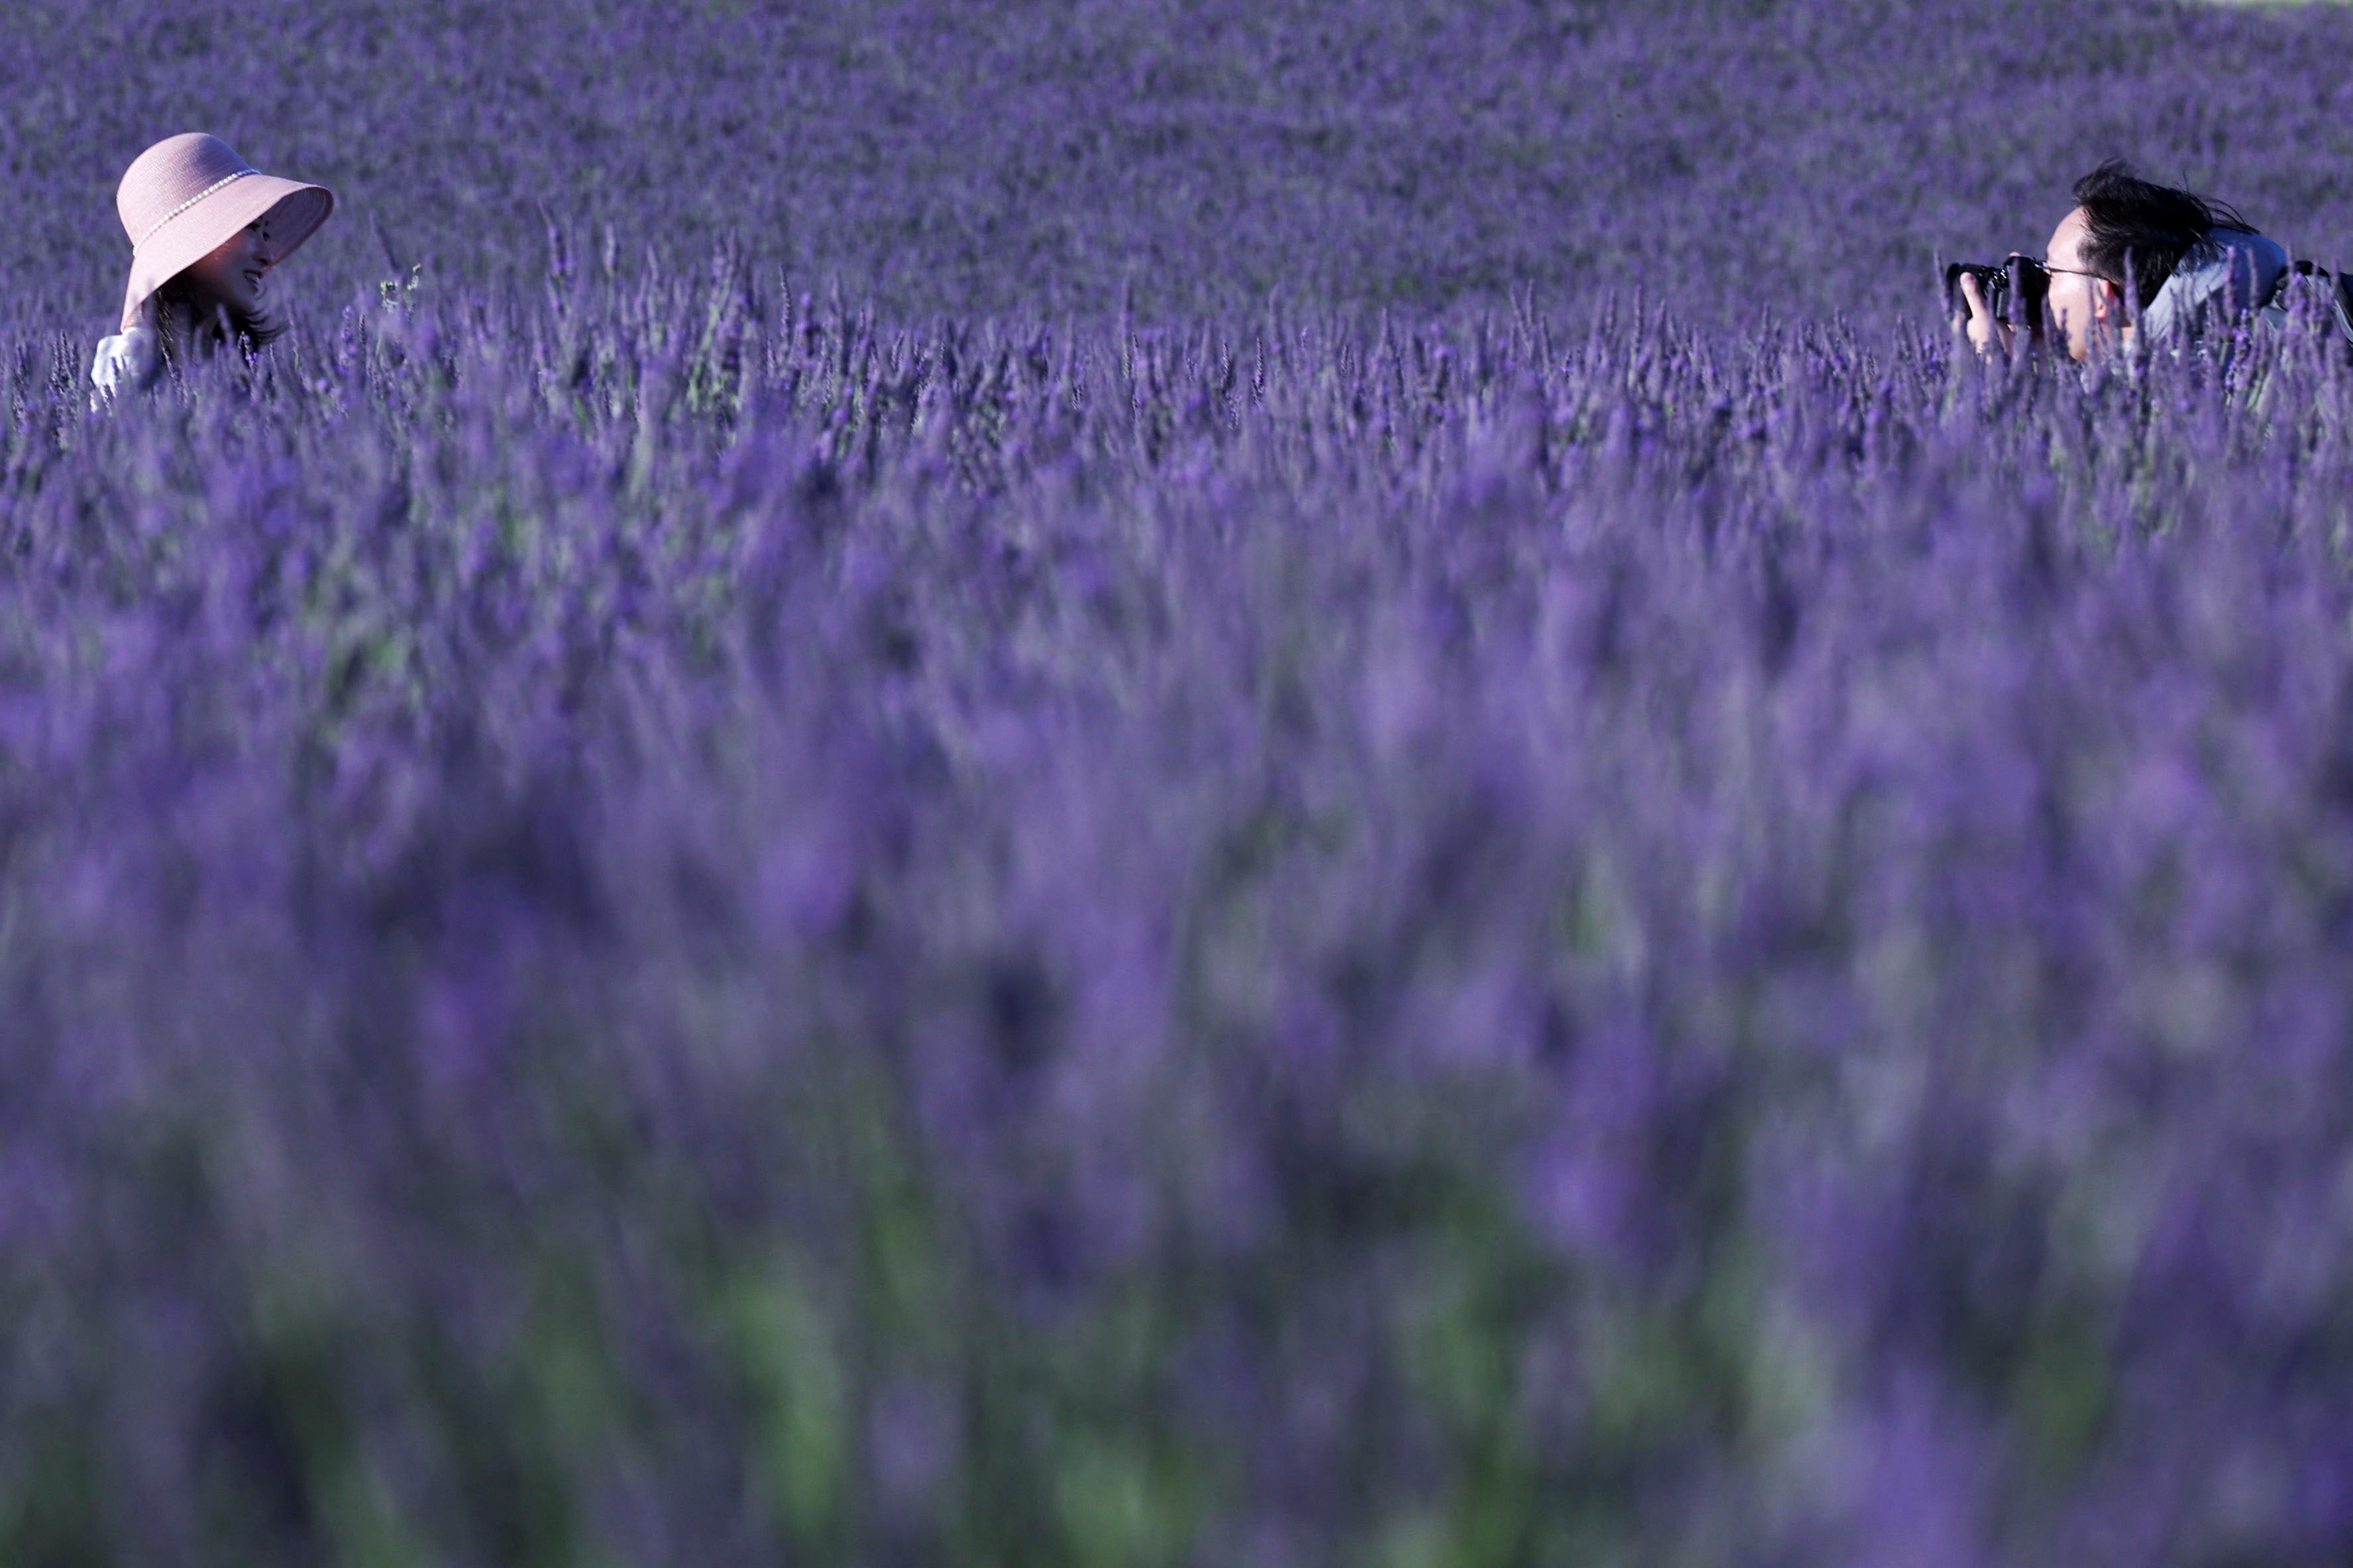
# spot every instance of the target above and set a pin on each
(1988, 334)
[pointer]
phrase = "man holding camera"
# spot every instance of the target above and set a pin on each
(2181, 257)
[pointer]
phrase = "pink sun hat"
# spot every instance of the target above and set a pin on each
(185, 195)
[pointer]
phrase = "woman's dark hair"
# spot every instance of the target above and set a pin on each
(189, 317)
(2135, 224)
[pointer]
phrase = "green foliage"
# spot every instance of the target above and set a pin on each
(789, 1351)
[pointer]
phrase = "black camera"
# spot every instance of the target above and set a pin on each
(2013, 290)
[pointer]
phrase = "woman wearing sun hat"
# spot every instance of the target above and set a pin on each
(205, 229)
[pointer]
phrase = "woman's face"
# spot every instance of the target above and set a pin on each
(234, 271)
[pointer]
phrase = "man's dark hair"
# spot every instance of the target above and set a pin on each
(2147, 227)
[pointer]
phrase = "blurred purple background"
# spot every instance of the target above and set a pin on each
(1251, 786)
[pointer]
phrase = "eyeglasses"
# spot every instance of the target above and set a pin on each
(2034, 264)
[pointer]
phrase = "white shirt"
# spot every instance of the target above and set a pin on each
(126, 361)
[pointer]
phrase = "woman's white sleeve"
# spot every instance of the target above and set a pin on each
(125, 362)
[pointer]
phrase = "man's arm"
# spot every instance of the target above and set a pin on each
(1988, 334)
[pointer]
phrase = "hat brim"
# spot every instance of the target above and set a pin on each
(295, 210)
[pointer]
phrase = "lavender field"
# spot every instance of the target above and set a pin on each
(1128, 785)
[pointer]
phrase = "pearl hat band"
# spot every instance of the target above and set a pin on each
(192, 201)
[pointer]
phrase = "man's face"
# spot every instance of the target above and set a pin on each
(2081, 303)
